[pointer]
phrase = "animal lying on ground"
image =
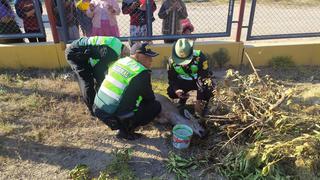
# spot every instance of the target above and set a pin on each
(170, 114)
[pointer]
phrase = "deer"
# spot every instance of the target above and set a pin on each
(170, 114)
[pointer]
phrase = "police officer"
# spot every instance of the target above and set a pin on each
(125, 99)
(89, 58)
(188, 70)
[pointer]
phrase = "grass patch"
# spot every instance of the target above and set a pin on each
(180, 166)
(119, 168)
(281, 63)
(80, 172)
(6, 128)
(160, 86)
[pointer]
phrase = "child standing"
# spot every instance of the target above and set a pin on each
(103, 14)
(138, 16)
(85, 22)
(26, 11)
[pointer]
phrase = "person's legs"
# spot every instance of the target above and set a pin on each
(134, 31)
(85, 22)
(110, 120)
(144, 115)
(32, 40)
(73, 32)
(42, 39)
(146, 112)
(33, 31)
(170, 41)
(80, 66)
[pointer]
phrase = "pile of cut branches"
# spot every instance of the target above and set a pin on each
(261, 136)
(248, 102)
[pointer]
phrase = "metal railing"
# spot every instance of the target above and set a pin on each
(280, 20)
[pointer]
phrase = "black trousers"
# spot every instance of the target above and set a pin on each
(146, 112)
(84, 73)
(187, 86)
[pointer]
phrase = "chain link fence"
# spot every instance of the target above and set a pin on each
(128, 19)
(284, 19)
(21, 19)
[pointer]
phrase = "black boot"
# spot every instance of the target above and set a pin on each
(127, 128)
(123, 134)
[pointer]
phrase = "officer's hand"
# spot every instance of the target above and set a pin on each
(181, 94)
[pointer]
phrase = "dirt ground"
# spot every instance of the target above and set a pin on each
(45, 129)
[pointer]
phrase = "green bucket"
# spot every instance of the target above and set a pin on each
(181, 136)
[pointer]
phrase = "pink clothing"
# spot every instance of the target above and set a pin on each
(111, 31)
(101, 14)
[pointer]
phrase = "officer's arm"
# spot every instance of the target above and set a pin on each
(146, 87)
(172, 76)
(203, 66)
(97, 51)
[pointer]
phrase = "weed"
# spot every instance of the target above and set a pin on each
(281, 62)
(119, 167)
(178, 165)
(6, 77)
(160, 87)
(211, 60)
(3, 91)
(221, 57)
(37, 136)
(80, 172)
(34, 102)
(6, 128)
(241, 166)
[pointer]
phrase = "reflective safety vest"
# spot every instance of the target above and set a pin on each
(112, 42)
(193, 67)
(115, 83)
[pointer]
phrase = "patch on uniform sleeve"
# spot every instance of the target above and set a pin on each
(103, 51)
(205, 65)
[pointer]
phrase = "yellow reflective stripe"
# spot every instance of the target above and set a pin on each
(116, 45)
(108, 40)
(187, 77)
(110, 93)
(98, 42)
(92, 40)
(196, 52)
(115, 82)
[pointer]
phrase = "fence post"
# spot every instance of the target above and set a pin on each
(39, 18)
(149, 18)
(63, 21)
(240, 20)
(52, 20)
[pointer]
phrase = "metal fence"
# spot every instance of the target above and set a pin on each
(155, 19)
(209, 19)
(282, 19)
(21, 19)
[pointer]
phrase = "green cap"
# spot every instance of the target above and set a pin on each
(182, 52)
